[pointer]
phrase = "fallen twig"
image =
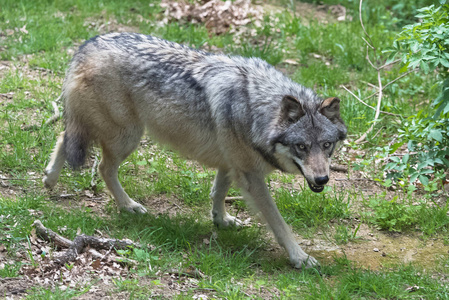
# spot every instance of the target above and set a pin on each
(233, 199)
(78, 245)
(51, 236)
(31, 178)
(188, 272)
(56, 116)
(338, 168)
(53, 119)
(353, 179)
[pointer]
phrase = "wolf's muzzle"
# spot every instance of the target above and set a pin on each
(315, 188)
(320, 183)
(322, 180)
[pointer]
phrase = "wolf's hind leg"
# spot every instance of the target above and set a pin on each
(114, 153)
(56, 163)
(221, 186)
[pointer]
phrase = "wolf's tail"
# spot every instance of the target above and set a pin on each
(76, 142)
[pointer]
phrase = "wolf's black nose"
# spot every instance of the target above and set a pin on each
(321, 180)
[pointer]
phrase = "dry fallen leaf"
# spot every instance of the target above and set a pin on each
(291, 62)
(96, 264)
(33, 236)
(218, 16)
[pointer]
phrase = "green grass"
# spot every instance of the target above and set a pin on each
(236, 263)
(396, 215)
(305, 209)
(55, 293)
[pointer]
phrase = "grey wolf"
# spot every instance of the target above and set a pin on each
(238, 115)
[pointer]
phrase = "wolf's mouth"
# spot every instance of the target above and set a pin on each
(315, 188)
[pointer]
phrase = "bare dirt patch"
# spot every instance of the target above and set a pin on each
(375, 249)
(166, 205)
(15, 287)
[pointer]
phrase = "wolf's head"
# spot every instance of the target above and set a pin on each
(306, 137)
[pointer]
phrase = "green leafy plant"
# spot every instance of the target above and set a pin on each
(392, 215)
(425, 45)
(396, 215)
(427, 144)
(344, 234)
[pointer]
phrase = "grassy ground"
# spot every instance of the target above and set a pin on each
(182, 255)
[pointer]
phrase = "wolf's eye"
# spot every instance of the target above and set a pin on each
(301, 147)
(327, 145)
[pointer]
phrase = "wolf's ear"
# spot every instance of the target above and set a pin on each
(330, 108)
(291, 110)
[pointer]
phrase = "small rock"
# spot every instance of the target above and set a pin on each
(376, 250)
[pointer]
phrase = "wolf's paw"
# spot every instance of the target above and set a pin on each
(307, 262)
(134, 207)
(49, 181)
(226, 221)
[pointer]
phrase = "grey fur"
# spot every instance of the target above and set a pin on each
(239, 115)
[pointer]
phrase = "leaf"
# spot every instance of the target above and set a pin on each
(423, 179)
(445, 161)
(411, 145)
(426, 171)
(391, 57)
(395, 159)
(414, 63)
(444, 62)
(405, 158)
(436, 135)
(395, 147)
(404, 68)
(390, 166)
(424, 66)
(446, 108)
(422, 165)
(438, 161)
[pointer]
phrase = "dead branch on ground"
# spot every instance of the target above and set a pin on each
(93, 182)
(53, 119)
(80, 244)
(339, 168)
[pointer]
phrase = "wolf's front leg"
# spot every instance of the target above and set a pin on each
(219, 215)
(254, 187)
